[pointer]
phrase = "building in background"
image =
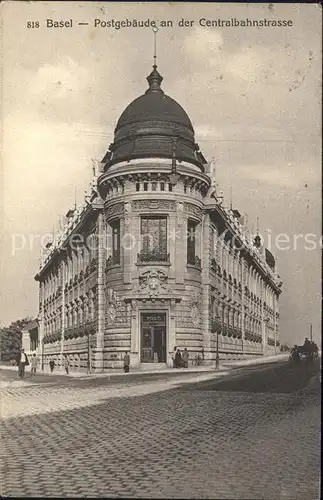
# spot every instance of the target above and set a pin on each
(29, 337)
(155, 259)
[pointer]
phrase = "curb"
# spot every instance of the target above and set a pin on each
(142, 374)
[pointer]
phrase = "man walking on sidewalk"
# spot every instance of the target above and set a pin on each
(22, 361)
(33, 363)
(126, 363)
(66, 364)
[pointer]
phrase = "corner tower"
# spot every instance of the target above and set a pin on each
(153, 186)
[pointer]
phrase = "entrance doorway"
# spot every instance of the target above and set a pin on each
(153, 337)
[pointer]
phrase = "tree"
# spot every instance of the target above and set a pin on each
(284, 348)
(10, 339)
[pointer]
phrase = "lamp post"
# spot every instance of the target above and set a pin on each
(42, 354)
(88, 351)
(39, 324)
(266, 321)
(217, 357)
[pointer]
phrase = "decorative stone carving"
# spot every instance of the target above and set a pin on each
(195, 308)
(180, 218)
(153, 281)
(165, 205)
(113, 302)
(193, 210)
(127, 207)
(111, 312)
(117, 208)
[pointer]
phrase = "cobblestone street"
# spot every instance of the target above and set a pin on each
(254, 434)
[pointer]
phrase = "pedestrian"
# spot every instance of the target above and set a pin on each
(33, 363)
(126, 363)
(185, 358)
(51, 365)
(174, 356)
(178, 359)
(22, 362)
(66, 364)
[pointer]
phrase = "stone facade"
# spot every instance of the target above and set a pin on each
(154, 261)
(93, 294)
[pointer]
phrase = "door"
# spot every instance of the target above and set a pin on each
(153, 337)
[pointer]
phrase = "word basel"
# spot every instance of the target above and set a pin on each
(50, 23)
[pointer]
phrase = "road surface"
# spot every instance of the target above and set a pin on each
(253, 434)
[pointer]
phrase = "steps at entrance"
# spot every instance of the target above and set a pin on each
(153, 366)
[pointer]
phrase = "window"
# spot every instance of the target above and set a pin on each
(191, 238)
(115, 225)
(92, 246)
(137, 186)
(145, 186)
(153, 186)
(162, 186)
(170, 187)
(153, 239)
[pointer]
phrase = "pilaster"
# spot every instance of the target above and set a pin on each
(127, 244)
(98, 351)
(63, 271)
(180, 244)
(206, 286)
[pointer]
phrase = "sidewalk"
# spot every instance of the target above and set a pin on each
(224, 367)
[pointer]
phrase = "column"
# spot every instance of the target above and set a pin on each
(100, 295)
(62, 283)
(171, 332)
(262, 310)
(206, 285)
(242, 314)
(41, 321)
(275, 328)
(180, 236)
(135, 332)
(172, 243)
(127, 244)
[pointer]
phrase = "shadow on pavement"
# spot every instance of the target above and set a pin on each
(283, 378)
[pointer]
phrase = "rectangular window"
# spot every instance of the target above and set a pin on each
(115, 225)
(191, 239)
(153, 239)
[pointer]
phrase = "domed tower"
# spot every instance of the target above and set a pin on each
(153, 186)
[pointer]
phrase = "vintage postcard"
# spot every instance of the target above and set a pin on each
(160, 249)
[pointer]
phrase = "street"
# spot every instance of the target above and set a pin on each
(249, 434)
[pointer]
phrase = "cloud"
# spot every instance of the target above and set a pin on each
(202, 44)
(64, 94)
(283, 175)
(59, 81)
(34, 182)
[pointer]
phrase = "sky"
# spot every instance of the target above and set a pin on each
(252, 94)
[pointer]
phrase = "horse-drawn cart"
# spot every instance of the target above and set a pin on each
(306, 352)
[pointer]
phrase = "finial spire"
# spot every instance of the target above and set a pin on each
(154, 79)
(230, 197)
(257, 230)
(155, 30)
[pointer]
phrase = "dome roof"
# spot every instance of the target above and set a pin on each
(150, 126)
(154, 106)
(270, 259)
